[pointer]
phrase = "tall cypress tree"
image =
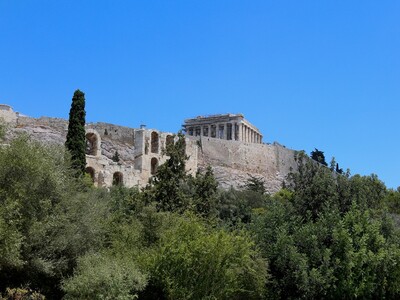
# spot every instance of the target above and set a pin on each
(76, 139)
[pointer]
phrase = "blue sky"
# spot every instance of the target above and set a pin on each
(308, 74)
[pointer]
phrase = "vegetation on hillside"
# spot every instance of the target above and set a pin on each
(324, 235)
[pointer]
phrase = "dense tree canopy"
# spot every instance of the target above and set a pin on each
(325, 235)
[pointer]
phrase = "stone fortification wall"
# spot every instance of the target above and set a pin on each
(141, 152)
(234, 161)
(44, 129)
(7, 114)
(115, 138)
(57, 124)
(116, 133)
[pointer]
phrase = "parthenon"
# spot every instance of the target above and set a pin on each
(223, 126)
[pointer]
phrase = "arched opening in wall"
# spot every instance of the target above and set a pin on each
(118, 178)
(154, 166)
(91, 172)
(154, 142)
(169, 141)
(91, 144)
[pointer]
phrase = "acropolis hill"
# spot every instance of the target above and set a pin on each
(229, 143)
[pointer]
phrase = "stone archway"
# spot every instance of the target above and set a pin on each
(118, 178)
(92, 142)
(169, 141)
(153, 166)
(91, 172)
(154, 142)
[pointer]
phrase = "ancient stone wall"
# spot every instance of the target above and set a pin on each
(7, 114)
(234, 161)
(141, 152)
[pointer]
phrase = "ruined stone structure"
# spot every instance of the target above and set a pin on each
(228, 143)
(7, 114)
(227, 127)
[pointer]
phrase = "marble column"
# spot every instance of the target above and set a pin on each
(237, 131)
(224, 134)
(225, 131)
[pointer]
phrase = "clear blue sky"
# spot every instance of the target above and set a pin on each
(308, 74)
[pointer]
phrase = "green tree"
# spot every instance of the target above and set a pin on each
(255, 184)
(47, 217)
(193, 261)
(165, 188)
(392, 200)
(76, 138)
(329, 237)
(100, 276)
(205, 193)
(235, 207)
(318, 156)
(313, 185)
(115, 157)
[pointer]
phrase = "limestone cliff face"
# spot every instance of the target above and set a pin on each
(233, 162)
(140, 152)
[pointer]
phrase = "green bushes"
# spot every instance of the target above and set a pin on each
(324, 236)
(47, 217)
(329, 237)
(193, 261)
(100, 276)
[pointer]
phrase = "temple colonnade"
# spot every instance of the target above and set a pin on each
(227, 131)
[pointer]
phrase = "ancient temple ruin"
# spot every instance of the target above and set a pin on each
(223, 126)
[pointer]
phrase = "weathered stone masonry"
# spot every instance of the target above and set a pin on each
(229, 143)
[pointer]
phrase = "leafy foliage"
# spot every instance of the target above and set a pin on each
(255, 184)
(21, 294)
(76, 138)
(326, 235)
(115, 157)
(236, 207)
(205, 193)
(329, 237)
(318, 156)
(105, 277)
(195, 262)
(165, 187)
(47, 216)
